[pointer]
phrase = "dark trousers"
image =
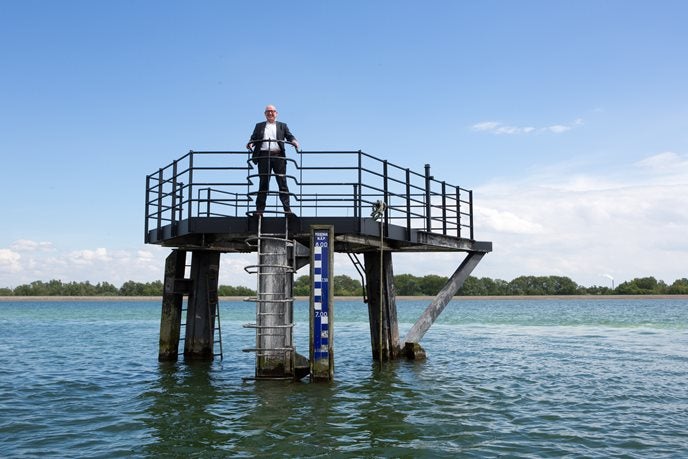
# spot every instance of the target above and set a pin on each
(277, 165)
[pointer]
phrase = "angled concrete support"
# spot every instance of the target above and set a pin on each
(445, 295)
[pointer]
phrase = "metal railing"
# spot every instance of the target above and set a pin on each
(321, 183)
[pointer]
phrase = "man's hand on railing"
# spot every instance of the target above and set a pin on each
(294, 143)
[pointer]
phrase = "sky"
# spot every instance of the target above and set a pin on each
(568, 120)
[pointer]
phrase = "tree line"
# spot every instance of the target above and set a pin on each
(129, 288)
(405, 284)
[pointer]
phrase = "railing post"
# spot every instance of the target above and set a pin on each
(145, 223)
(355, 200)
(408, 204)
(207, 202)
(300, 166)
(159, 219)
(458, 211)
(428, 177)
(386, 196)
(470, 207)
(189, 213)
(173, 207)
(180, 186)
(444, 208)
(359, 205)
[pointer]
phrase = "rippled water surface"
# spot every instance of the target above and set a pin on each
(539, 378)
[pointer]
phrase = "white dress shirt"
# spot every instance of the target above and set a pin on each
(270, 134)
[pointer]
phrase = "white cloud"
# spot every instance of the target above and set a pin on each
(673, 167)
(496, 127)
(9, 261)
(90, 257)
(499, 128)
(95, 265)
(558, 128)
(627, 223)
(25, 245)
(142, 264)
(144, 255)
(506, 221)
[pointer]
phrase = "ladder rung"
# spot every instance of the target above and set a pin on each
(262, 302)
(262, 296)
(269, 349)
(270, 301)
(246, 268)
(261, 327)
(271, 237)
(286, 270)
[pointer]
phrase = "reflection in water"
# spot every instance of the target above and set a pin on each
(181, 415)
(361, 416)
(268, 423)
(484, 391)
(194, 410)
(373, 414)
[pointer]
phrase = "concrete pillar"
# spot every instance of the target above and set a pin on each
(274, 314)
(202, 303)
(172, 299)
(384, 300)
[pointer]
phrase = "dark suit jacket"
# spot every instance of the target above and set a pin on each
(282, 134)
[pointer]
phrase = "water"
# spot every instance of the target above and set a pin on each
(539, 378)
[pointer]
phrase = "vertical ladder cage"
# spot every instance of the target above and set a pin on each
(274, 348)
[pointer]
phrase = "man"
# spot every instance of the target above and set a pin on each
(271, 157)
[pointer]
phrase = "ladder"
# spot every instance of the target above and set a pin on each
(274, 348)
(213, 302)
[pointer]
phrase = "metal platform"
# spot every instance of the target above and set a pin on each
(205, 200)
(204, 203)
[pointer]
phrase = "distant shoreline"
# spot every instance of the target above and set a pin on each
(354, 298)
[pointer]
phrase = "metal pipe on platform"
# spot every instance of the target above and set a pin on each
(428, 208)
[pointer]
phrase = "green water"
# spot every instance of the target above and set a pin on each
(601, 378)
